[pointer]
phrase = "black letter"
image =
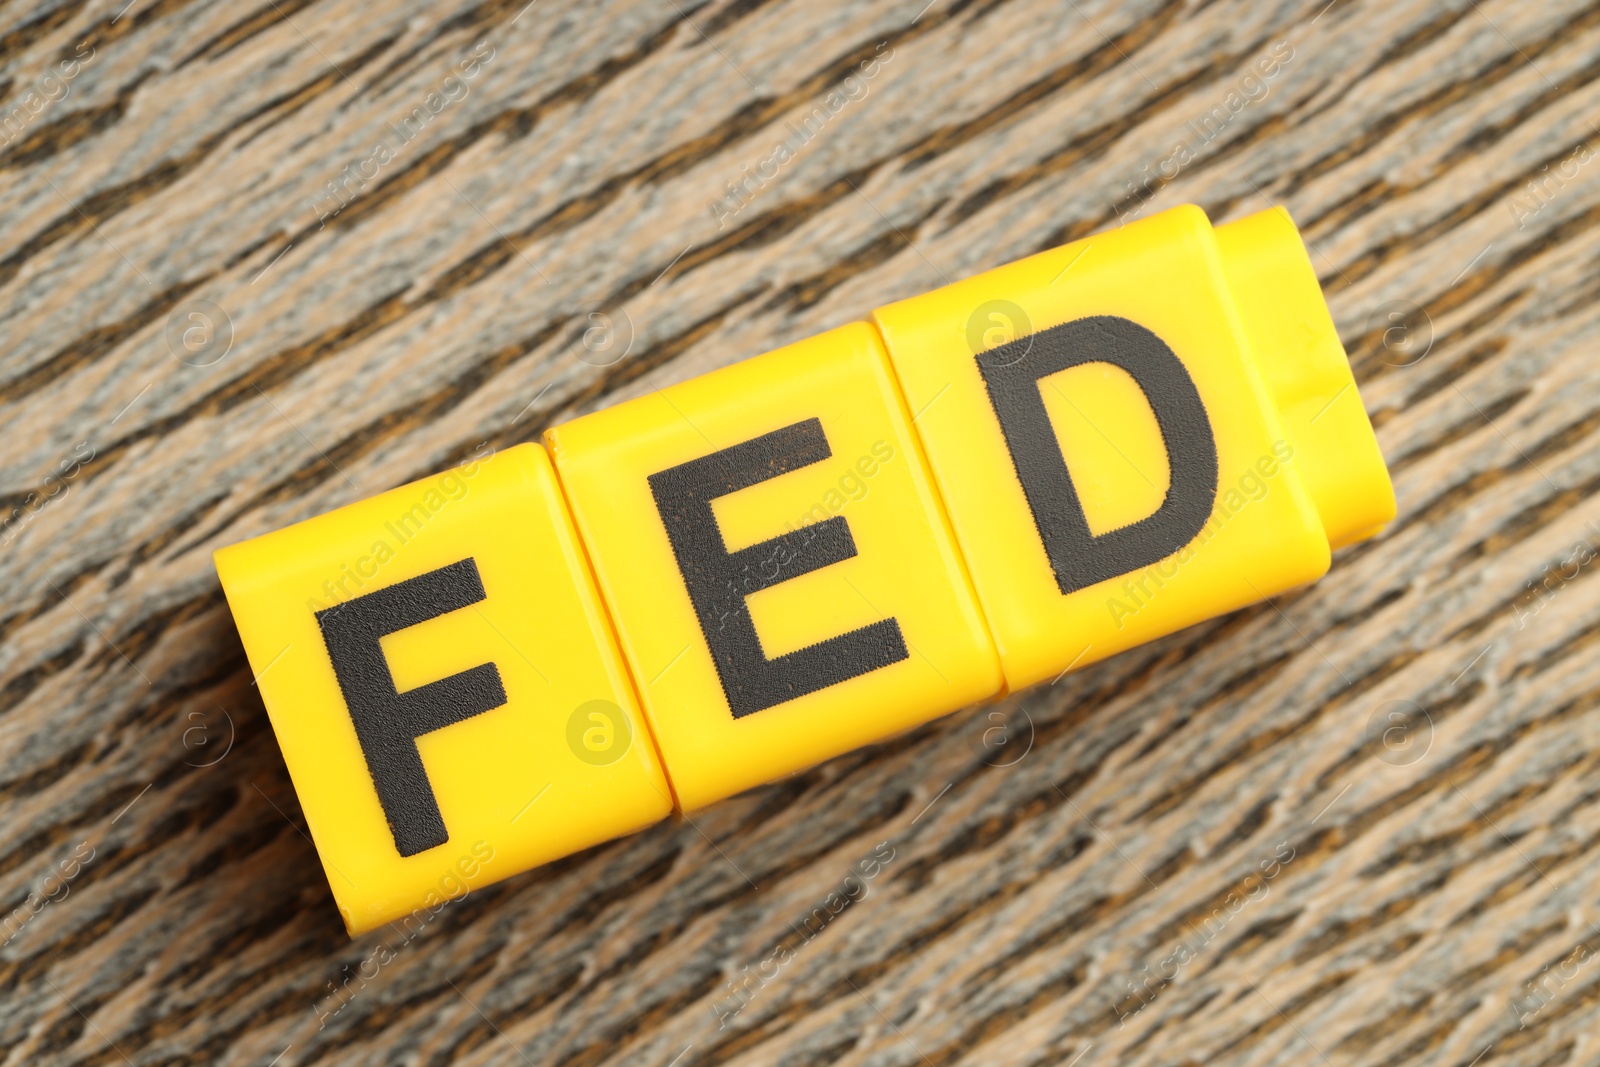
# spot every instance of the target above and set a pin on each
(750, 680)
(1078, 558)
(389, 722)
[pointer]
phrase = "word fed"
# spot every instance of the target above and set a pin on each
(734, 578)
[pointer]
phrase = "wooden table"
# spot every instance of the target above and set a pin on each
(1366, 811)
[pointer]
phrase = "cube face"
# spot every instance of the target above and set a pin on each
(782, 579)
(1108, 455)
(444, 686)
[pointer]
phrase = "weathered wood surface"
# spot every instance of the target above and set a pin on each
(1418, 883)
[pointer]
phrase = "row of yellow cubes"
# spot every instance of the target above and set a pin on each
(731, 579)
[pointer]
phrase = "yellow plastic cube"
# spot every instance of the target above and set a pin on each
(1137, 431)
(783, 582)
(444, 686)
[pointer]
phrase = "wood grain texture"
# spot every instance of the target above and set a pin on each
(1417, 887)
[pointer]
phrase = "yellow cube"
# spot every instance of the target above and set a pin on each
(1125, 432)
(444, 686)
(782, 578)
